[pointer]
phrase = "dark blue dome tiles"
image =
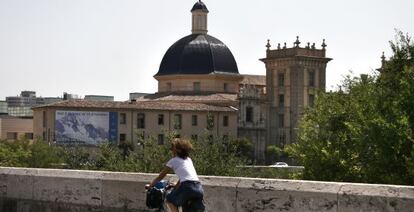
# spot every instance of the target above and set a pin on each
(199, 6)
(198, 54)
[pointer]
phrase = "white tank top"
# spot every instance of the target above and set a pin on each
(183, 168)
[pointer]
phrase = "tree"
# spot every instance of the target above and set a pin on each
(365, 132)
(25, 153)
(273, 154)
(215, 156)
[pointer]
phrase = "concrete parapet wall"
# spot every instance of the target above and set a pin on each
(24, 189)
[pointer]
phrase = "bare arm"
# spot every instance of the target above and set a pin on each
(178, 184)
(161, 176)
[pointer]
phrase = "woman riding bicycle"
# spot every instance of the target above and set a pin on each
(188, 187)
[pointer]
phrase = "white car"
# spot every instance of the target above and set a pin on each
(279, 164)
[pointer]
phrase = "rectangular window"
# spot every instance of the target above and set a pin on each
(122, 118)
(169, 86)
(225, 121)
(281, 100)
(12, 135)
(311, 78)
(141, 121)
(160, 119)
(177, 136)
(28, 135)
(249, 114)
(194, 120)
(196, 86)
(281, 79)
(311, 100)
(122, 137)
(281, 120)
(160, 139)
(177, 121)
(194, 137)
(282, 137)
(225, 87)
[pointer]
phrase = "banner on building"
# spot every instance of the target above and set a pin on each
(85, 127)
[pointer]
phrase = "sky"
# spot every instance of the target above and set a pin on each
(114, 47)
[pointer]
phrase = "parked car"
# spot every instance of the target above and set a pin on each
(279, 164)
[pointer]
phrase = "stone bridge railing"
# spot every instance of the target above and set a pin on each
(24, 189)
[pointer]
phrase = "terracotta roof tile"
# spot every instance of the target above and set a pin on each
(253, 80)
(137, 105)
(191, 97)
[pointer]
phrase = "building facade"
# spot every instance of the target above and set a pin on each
(252, 112)
(12, 128)
(200, 91)
(293, 77)
(99, 98)
(93, 122)
(21, 106)
(3, 108)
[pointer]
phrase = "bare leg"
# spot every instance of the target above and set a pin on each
(172, 207)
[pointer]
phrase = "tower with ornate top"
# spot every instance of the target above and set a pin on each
(293, 77)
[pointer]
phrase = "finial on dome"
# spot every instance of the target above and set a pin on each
(199, 18)
(324, 44)
(199, 5)
(268, 44)
(382, 57)
(297, 42)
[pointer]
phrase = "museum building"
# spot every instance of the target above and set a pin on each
(200, 92)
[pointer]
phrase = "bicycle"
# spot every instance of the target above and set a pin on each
(156, 199)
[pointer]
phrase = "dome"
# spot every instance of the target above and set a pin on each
(198, 54)
(199, 6)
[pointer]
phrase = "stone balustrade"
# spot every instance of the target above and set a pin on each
(25, 189)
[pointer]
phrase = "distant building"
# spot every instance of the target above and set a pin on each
(68, 96)
(99, 98)
(16, 115)
(3, 108)
(12, 128)
(20, 106)
(136, 95)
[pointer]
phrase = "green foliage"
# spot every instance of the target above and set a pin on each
(217, 157)
(14, 154)
(242, 147)
(273, 154)
(77, 157)
(365, 132)
(45, 156)
(210, 121)
(211, 156)
(23, 153)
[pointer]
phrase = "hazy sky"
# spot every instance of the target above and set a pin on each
(114, 47)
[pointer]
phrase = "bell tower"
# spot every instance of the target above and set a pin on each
(199, 18)
(293, 77)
